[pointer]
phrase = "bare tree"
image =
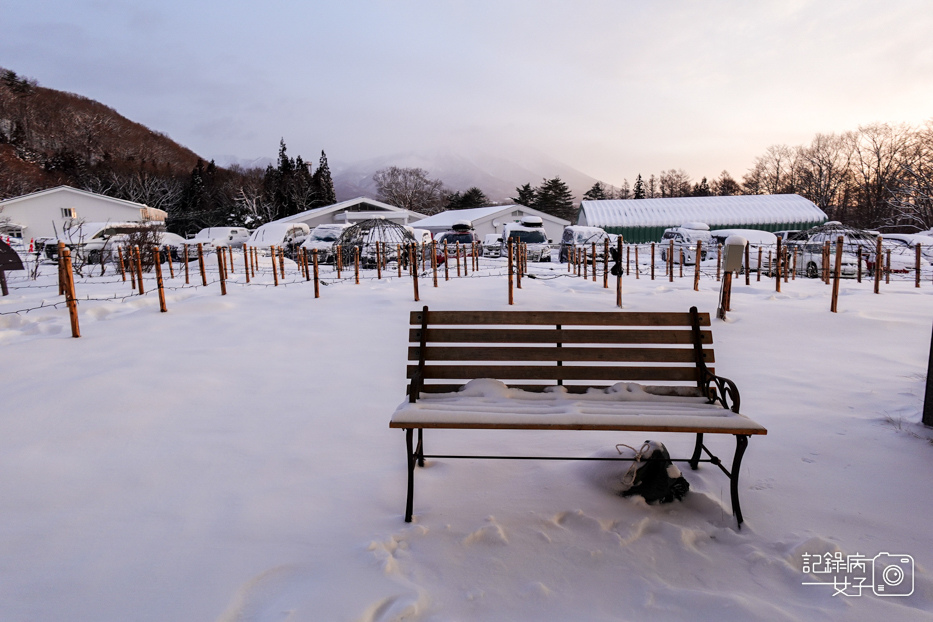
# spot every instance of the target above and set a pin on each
(675, 183)
(410, 188)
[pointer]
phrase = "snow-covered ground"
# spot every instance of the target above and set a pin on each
(231, 460)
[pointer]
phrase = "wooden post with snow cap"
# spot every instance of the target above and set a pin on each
(282, 262)
(571, 258)
(434, 260)
(837, 273)
(696, 272)
(70, 299)
(157, 259)
(317, 288)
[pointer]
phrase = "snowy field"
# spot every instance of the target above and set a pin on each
(231, 460)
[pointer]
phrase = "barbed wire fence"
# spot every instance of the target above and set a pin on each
(428, 263)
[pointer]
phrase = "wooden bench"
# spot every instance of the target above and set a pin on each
(567, 370)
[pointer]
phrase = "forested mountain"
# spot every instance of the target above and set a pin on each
(50, 138)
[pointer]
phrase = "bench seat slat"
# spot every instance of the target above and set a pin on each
(553, 372)
(599, 354)
(569, 318)
(553, 335)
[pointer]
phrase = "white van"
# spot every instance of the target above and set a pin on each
(530, 232)
(685, 238)
(283, 234)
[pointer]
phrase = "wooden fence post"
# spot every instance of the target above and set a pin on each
(317, 288)
(62, 282)
(606, 263)
(518, 265)
(748, 267)
(758, 276)
(282, 261)
(917, 265)
(457, 253)
(246, 262)
(168, 258)
(511, 297)
(696, 273)
(378, 261)
(201, 264)
(670, 261)
(652, 261)
(70, 298)
(594, 261)
(434, 260)
(275, 269)
(887, 267)
(878, 266)
(619, 276)
(356, 263)
(628, 256)
(837, 273)
(637, 265)
(157, 258)
(339, 259)
(412, 258)
(139, 270)
(681, 263)
(466, 270)
(223, 272)
(122, 268)
(777, 257)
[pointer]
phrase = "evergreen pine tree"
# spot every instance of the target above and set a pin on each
(555, 198)
(527, 196)
(324, 183)
(639, 190)
(474, 197)
(702, 189)
(596, 193)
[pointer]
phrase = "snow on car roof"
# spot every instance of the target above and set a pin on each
(754, 236)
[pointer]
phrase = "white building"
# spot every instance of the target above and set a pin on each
(44, 213)
(353, 211)
(491, 220)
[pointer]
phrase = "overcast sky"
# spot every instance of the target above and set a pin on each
(611, 87)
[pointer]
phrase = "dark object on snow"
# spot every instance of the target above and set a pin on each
(656, 478)
(616, 257)
(9, 260)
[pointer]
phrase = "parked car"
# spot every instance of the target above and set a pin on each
(530, 232)
(904, 244)
(810, 244)
(492, 245)
(88, 241)
(685, 238)
(323, 239)
(213, 237)
(578, 235)
(287, 235)
(757, 239)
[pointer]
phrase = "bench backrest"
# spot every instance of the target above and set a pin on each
(577, 349)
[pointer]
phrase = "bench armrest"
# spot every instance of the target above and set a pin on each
(724, 392)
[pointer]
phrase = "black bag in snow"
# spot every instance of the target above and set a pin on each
(653, 475)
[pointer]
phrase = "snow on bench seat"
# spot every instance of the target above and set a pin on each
(490, 404)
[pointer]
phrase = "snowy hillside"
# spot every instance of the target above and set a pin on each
(231, 460)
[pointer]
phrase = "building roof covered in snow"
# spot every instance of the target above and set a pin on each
(644, 220)
(354, 210)
(491, 219)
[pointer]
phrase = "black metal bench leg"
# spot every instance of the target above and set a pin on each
(410, 455)
(741, 442)
(419, 451)
(697, 450)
